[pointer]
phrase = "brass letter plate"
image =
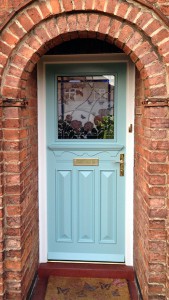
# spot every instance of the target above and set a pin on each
(86, 162)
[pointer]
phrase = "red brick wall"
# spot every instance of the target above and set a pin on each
(20, 194)
(140, 32)
(30, 237)
(151, 196)
(1, 213)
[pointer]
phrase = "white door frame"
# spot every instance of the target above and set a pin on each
(129, 162)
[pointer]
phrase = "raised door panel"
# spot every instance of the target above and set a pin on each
(63, 200)
(86, 206)
(108, 210)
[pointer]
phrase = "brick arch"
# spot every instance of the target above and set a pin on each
(139, 16)
(129, 29)
(78, 4)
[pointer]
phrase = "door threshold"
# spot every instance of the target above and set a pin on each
(85, 269)
(86, 262)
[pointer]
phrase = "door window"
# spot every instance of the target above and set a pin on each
(85, 107)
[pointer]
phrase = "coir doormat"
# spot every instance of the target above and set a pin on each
(74, 288)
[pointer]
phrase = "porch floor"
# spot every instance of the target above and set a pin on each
(83, 270)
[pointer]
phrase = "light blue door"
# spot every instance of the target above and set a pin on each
(86, 112)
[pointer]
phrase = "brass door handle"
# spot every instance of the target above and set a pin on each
(121, 162)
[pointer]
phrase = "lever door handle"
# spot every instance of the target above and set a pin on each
(121, 162)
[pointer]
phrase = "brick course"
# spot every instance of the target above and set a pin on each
(141, 31)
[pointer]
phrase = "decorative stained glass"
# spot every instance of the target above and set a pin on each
(86, 107)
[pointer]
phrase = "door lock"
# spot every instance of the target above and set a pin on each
(121, 164)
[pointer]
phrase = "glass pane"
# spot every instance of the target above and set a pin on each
(86, 107)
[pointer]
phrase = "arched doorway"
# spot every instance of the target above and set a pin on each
(115, 58)
(141, 32)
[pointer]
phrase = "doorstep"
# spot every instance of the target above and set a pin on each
(86, 270)
(72, 269)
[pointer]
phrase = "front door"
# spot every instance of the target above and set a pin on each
(86, 112)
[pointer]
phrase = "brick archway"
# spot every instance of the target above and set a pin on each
(140, 32)
(43, 25)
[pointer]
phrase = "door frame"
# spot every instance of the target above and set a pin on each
(130, 92)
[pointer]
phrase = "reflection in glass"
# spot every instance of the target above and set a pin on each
(86, 107)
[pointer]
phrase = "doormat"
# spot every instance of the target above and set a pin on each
(73, 288)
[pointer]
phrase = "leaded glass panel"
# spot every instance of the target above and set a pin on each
(86, 107)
